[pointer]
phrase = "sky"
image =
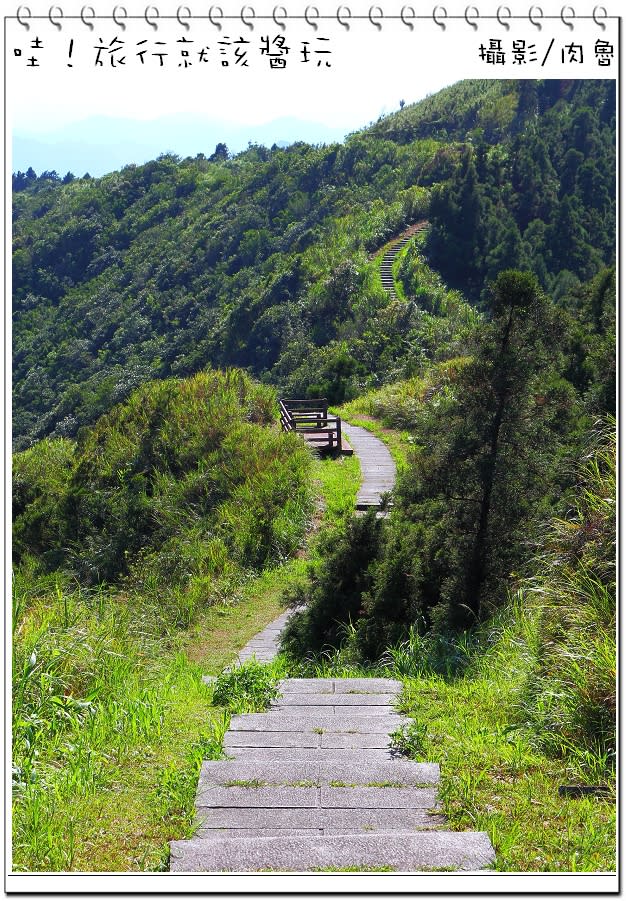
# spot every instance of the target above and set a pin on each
(70, 114)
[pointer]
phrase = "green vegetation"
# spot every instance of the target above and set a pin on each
(183, 486)
(572, 697)
(111, 718)
(261, 260)
(161, 518)
(501, 762)
(246, 688)
(525, 703)
(171, 509)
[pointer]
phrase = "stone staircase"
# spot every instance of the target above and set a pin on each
(389, 257)
(313, 785)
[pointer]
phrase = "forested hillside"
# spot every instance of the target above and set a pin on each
(261, 260)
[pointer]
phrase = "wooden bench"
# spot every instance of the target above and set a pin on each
(309, 418)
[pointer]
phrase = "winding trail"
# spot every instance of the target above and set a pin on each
(313, 784)
(378, 470)
(390, 255)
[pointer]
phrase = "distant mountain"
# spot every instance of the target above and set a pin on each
(100, 144)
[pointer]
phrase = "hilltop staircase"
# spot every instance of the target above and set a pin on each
(391, 254)
(316, 784)
(313, 786)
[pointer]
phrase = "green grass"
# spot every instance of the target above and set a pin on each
(494, 774)
(111, 716)
(115, 782)
(249, 687)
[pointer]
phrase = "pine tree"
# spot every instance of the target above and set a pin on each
(484, 465)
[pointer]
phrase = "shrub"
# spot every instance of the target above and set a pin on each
(335, 588)
(571, 695)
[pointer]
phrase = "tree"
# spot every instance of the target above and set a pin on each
(484, 463)
(220, 153)
(457, 226)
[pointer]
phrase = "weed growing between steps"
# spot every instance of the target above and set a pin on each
(250, 687)
(176, 790)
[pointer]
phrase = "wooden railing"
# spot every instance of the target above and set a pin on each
(309, 418)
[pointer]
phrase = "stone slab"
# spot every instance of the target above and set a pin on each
(341, 686)
(411, 852)
(337, 820)
(339, 710)
(404, 772)
(281, 722)
(340, 755)
(269, 796)
(215, 773)
(249, 739)
(376, 685)
(300, 686)
(259, 656)
(347, 699)
(377, 798)
(209, 832)
(354, 740)
(266, 637)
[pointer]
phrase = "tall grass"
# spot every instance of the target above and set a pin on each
(172, 503)
(83, 695)
(402, 404)
(571, 697)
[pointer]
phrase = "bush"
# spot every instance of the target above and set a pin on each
(247, 688)
(182, 481)
(571, 695)
(335, 588)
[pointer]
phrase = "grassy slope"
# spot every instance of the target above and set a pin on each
(129, 783)
(495, 777)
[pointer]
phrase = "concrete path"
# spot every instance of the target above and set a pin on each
(378, 475)
(265, 645)
(378, 471)
(313, 785)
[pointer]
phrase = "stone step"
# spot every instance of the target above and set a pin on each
(354, 739)
(218, 773)
(409, 852)
(235, 740)
(312, 796)
(299, 753)
(330, 820)
(341, 686)
(310, 722)
(338, 709)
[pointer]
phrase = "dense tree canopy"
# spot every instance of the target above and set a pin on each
(260, 260)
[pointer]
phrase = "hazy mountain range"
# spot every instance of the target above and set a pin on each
(100, 144)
